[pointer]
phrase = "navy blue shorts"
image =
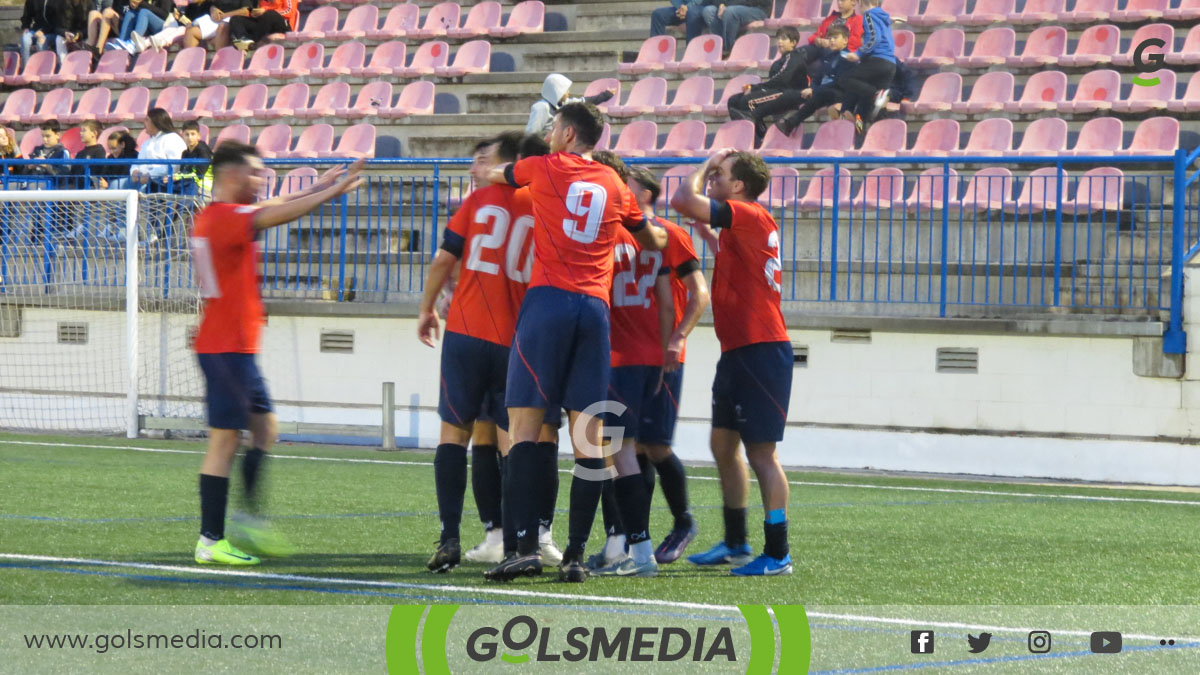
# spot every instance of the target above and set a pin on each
(560, 355)
(633, 387)
(660, 414)
(234, 389)
(472, 383)
(751, 391)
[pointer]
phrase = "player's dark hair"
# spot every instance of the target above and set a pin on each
(482, 145)
(790, 33)
(231, 153)
(586, 120)
(190, 125)
(508, 146)
(752, 171)
(610, 159)
(162, 120)
(533, 145)
(837, 31)
(50, 125)
(646, 178)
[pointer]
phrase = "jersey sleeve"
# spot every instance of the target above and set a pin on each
(720, 214)
(454, 239)
(681, 253)
(522, 172)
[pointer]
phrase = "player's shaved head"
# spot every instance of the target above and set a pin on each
(585, 120)
(612, 161)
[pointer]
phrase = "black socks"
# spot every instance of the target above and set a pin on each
(252, 468)
(522, 494)
(735, 527)
(450, 478)
(674, 486)
(214, 494)
(585, 496)
(548, 483)
(634, 504)
(485, 483)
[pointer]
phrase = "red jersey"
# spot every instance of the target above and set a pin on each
(681, 260)
(578, 205)
(492, 229)
(746, 277)
(853, 24)
(635, 335)
(225, 266)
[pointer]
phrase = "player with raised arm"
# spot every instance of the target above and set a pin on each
(225, 264)
(753, 381)
(560, 355)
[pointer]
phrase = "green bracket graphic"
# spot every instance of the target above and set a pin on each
(1141, 82)
(795, 641)
(404, 631)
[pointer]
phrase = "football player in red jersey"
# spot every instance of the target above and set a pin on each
(225, 264)
(753, 382)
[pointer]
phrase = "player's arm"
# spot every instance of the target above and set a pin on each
(517, 174)
(690, 201)
(428, 321)
(666, 306)
(697, 302)
(325, 180)
(280, 214)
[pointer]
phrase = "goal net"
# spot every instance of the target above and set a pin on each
(97, 308)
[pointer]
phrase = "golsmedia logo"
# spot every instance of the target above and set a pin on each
(1148, 63)
(558, 636)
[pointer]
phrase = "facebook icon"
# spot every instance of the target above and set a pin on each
(921, 642)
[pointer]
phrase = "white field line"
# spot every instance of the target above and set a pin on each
(861, 486)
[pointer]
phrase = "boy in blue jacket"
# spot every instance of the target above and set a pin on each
(826, 91)
(875, 65)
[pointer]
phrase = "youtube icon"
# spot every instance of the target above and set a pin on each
(1106, 642)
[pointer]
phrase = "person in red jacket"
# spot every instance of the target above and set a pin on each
(818, 46)
(269, 21)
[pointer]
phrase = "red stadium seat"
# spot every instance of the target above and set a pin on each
(1155, 136)
(880, 189)
(274, 139)
(290, 98)
(187, 63)
(297, 180)
(988, 190)
(1043, 92)
(173, 99)
(1043, 47)
(736, 134)
(358, 22)
(682, 140)
(95, 102)
(111, 63)
(653, 55)
(747, 52)
(1190, 54)
(1099, 136)
(691, 97)
(1097, 46)
(992, 48)
(208, 101)
(10, 64)
(700, 54)
(906, 42)
(902, 10)
(1149, 99)
(884, 138)
(989, 94)
(645, 95)
(734, 86)
(440, 19)
(373, 97)
(483, 17)
(938, 12)
(55, 104)
(637, 138)
(526, 17)
(1096, 92)
(990, 138)
(76, 64)
(149, 66)
(387, 59)
(250, 100)
(930, 189)
(399, 21)
(429, 57)
(797, 13)
(31, 139)
(225, 63)
(987, 12)
(941, 49)
(264, 60)
(471, 58)
(329, 98)
(304, 59)
(416, 98)
(234, 132)
(605, 135)
(939, 93)
(346, 58)
(1100, 189)
(935, 138)
(1188, 10)
(1046, 136)
(132, 105)
(776, 144)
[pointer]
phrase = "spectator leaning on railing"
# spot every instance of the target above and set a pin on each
(687, 12)
(728, 19)
(164, 143)
(39, 26)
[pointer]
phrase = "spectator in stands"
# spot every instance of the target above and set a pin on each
(39, 26)
(825, 91)
(51, 148)
(727, 19)
(210, 21)
(194, 178)
(818, 46)
(89, 135)
(73, 26)
(121, 145)
(164, 143)
(556, 92)
(103, 22)
(9, 149)
(271, 20)
(143, 19)
(173, 29)
(687, 12)
(780, 93)
(864, 87)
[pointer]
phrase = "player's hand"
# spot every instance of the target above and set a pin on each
(716, 159)
(428, 327)
(681, 12)
(674, 353)
(706, 233)
(257, 11)
(351, 181)
(721, 12)
(852, 57)
(806, 93)
(746, 88)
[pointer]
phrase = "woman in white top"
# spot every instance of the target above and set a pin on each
(164, 143)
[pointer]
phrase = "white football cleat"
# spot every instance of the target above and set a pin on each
(490, 550)
(550, 553)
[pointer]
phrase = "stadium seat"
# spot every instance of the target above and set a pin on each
(761, 24)
(938, 12)
(776, 144)
(1189, 55)
(1100, 189)
(71, 140)
(884, 138)
(1160, 31)
(989, 94)
(234, 132)
(1141, 10)
(111, 63)
(820, 191)
(906, 42)
(56, 103)
(747, 52)
(1038, 11)
(990, 138)
(1187, 10)
(734, 86)
(226, 62)
(399, 21)
(935, 138)
(637, 138)
(297, 180)
(1089, 11)
(682, 140)
(606, 83)
(987, 12)
(1155, 136)
(18, 104)
(700, 54)
(416, 98)
(10, 64)
(993, 47)
(471, 58)
(1039, 192)
(264, 60)
(653, 56)
(1149, 99)
(150, 65)
(173, 99)
(95, 102)
(1099, 136)
(313, 141)
(900, 10)
(736, 134)
(348, 57)
(1043, 47)
(605, 135)
(526, 17)
(440, 19)
(76, 64)
(783, 190)
(938, 94)
(187, 63)
(880, 189)
(40, 65)
(250, 100)
(1190, 101)
(387, 59)
(131, 105)
(988, 190)
(371, 98)
(832, 139)
(1045, 136)
(109, 131)
(645, 95)
(941, 49)
(268, 183)
(304, 59)
(290, 98)
(796, 13)
(929, 190)
(31, 139)
(1096, 91)
(483, 17)
(360, 20)
(1097, 46)
(692, 95)
(210, 99)
(317, 24)
(1043, 92)
(274, 139)
(329, 98)
(428, 57)
(671, 179)
(357, 142)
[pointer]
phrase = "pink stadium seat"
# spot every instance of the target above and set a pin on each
(304, 59)
(19, 103)
(1100, 189)
(653, 55)
(31, 139)
(1161, 31)
(109, 131)
(373, 97)
(399, 21)
(274, 139)
(150, 65)
(314, 140)
(1039, 192)
(776, 144)
(250, 100)
(416, 98)
(317, 24)
(76, 64)
(1187, 10)
(1099, 136)
(187, 63)
(929, 189)
(691, 96)
(1149, 99)
(173, 99)
(884, 138)
(360, 20)
(1097, 91)
(736, 134)
(645, 95)
(1097, 46)
(10, 64)
(783, 190)
(833, 139)
(357, 142)
(989, 138)
(987, 12)
(346, 58)
(233, 132)
(797, 13)
(1042, 93)
(208, 101)
(637, 138)
(938, 12)
(329, 98)
(939, 93)
(901, 10)
(132, 105)
(1155, 136)
(605, 135)
(40, 65)
(941, 49)
(111, 63)
(471, 58)
(935, 138)
(95, 102)
(1190, 101)
(264, 60)
(671, 179)
(734, 86)
(906, 42)
(429, 57)
(992, 48)
(604, 84)
(988, 190)
(225, 63)
(747, 52)
(440, 19)
(682, 140)
(1046, 136)
(268, 183)
(387, 59)
(820, 191)
(290, 98)
(297, 180)
(483, 17)
(1190, 54)
(1038, 11)
(1043, 47)
(142, 138)
(1089, 11)
(56, 103)
(700, 54)
(526, 17)
(1141, 10)
(880, 189)
(989, 94)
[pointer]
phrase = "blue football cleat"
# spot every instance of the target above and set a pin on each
(765, 566)
(723, 555)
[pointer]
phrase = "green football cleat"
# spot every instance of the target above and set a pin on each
(257, 536)
(222, 553)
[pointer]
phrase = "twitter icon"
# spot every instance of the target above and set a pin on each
(978, 644)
